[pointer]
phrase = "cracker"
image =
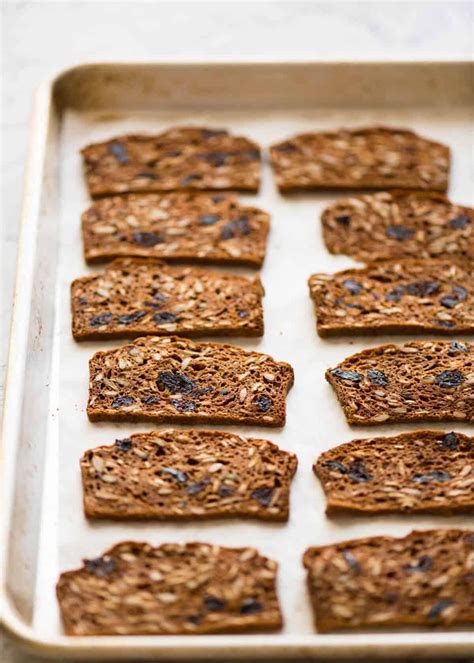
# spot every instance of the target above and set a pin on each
(423, 579)
(417, 381)
(187, 474)
(421, 471)
(134, 297)
(397, 297)
(176, 380)
(367, 158)
(188, 158)
(192, 588)
(397, 224)
(178, 227)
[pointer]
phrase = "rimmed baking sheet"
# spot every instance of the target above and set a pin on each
(46, 428)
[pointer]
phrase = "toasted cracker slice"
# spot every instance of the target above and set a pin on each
(188, 158)
(367, 158)
(175, 380)
(187, 474)
(192, 588)
(423, 579)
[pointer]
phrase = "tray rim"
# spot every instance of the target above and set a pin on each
(412, 643)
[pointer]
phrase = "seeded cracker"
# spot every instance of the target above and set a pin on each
(186, 474)
(136, 297)
(422, 471)
(193, 588)
(180, 227)
(188, 158)
(367, 158)
(417, 381)
(397, 224)
(399, 297)
(424, 579)
(176, 380)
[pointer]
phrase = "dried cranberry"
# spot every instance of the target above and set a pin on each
(250, 607)
(209, 219)
(351, 376)
(352, 286)
(175, 382)
(449, 379)
(100, 320)
(213, 604)
(436, 475)
(164, 317)
(377, 377)
(460, 222)
(119, 151)
(449, 441)
(101, 566)
(263, 495)
(181, 477)
(422, 565)
(130, 317)
(122, 400)
(400, 233)
(263, 402)
(147, 239)
(124, 445)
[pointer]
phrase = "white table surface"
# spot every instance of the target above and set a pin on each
(41, 38)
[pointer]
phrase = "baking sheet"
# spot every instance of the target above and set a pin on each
(315, 421)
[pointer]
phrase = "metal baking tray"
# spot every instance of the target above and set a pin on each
(43, 529)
